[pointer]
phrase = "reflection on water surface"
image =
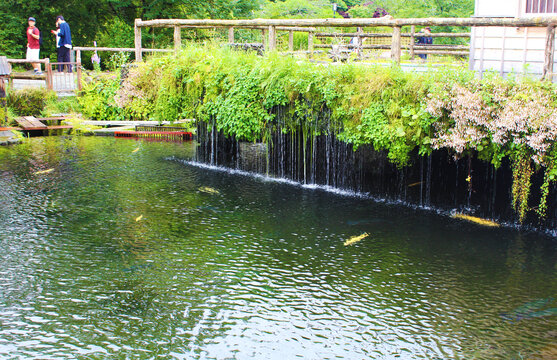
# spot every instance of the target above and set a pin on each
(226, 266)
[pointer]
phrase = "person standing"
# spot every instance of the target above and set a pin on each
(33, 45)
(424, 40)
(57, 42)
(65, 42)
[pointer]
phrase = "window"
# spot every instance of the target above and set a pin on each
(541, 6)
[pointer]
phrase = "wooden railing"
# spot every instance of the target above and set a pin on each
(46, 76)
(270, 27)
(64, 82)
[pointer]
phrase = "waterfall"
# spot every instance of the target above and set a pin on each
(435, 181)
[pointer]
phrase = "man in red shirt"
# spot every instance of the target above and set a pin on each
(33, 44)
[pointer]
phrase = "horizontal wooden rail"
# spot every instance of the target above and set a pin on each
(417, 48)
(388, 35)
(279, 28)
(479, 21)
(27, 76)
(269, 28)
(84, 48)
(440, 52)
(25, 61)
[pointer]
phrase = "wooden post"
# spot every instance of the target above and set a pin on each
(48, 68)
(78, 70)
(412, 41)
(231, 35)
(177, 39)
(265, 39)
(549, 53)
(137, 32)
(272, 38)
(396, 45)
(310, 43)
(359, 39)
(291, 40)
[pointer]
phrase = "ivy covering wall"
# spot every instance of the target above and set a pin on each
(244, 96)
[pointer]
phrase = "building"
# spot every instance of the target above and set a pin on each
(511, 50)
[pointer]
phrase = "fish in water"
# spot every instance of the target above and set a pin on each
(532, 309)
(357, 222)
(415, 184)
(476, 220)
(208, 208)
(134, 268)
(136, 150)
(44, 172)
(355, 239)
(137, 219)
(209, 190)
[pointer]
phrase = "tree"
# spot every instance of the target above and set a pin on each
(89, 18)
(299, 9)
(428, 8)
(84, 17)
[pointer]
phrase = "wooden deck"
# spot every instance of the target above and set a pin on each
(31, 123)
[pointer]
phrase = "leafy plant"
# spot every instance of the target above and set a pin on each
(249, 97)
(29, 102)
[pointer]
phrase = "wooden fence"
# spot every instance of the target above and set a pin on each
(62, 81)
(270, 27)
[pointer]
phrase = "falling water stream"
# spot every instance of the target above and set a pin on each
(135, 249)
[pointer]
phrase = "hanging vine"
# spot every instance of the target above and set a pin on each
(550, 176)
(522, 181)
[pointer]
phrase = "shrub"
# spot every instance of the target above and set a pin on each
(29, 102)
(248, 97)
(97, 98)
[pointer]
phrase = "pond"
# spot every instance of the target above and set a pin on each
(117, 248)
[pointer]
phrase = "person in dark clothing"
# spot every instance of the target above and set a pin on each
(57, 42)
(423, 40)
(64, 42)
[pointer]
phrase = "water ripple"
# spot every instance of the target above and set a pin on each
(257, 271)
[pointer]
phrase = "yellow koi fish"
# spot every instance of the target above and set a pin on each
(476, 220)
(136, 150)
(44, 172)
(209, 190)
(355, 239)
(137, 219)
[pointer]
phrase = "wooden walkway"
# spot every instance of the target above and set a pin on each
(31, 123)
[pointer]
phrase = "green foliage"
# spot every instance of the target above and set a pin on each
(63, 105)
(97, 98)
(428, 8)
(249, 97)
(117, 60)
(29, 102)
(108, 21)
(522, 177)
(550, 176)
(241, 94)
(4, 115)
(85, 18)
(421, 9)
(297, 9)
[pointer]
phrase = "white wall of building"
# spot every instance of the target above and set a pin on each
(497, 8)
(507, 50)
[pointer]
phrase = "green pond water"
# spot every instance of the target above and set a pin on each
(117, 254)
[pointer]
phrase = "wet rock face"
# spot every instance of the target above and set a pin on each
(438, 181)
